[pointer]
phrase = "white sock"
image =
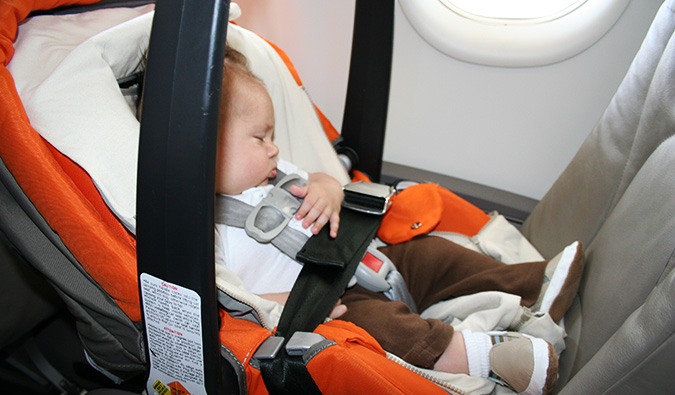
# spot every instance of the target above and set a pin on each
(478, 347)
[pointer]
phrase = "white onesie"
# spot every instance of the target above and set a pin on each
(261, 267)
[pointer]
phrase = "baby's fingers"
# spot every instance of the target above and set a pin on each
(305, 212)
(319, 216)
(334, 224)
(299, 191)
(327, 216)
(338, 310)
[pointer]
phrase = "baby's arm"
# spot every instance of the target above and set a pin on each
(282, 298)
(323, 199)
(279, 297)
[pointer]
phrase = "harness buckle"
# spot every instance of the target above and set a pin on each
(368, 197)
(275, 211)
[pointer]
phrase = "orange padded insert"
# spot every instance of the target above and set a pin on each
(85, 184)
(106, 254)
(355, 361)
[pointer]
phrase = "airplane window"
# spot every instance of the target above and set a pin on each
(512, 33)
(515, 10)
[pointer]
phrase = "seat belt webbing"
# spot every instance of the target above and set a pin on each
(329, 264)
(232, 212)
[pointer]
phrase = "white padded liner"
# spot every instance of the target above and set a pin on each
(65, 69)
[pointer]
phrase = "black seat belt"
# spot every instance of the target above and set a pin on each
(328, 265)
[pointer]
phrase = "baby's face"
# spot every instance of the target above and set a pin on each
(246, 155)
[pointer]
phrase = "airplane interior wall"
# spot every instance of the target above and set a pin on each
(511, 128)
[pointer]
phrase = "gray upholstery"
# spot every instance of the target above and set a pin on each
(27, 299)
(617, 197)
(111, 340)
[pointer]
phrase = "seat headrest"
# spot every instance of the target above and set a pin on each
(66, 70)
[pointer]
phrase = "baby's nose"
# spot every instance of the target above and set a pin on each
(273, 151)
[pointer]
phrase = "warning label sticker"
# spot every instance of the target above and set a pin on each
(173, 326)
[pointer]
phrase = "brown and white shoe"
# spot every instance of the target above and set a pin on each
(562, 277)
(526, 364)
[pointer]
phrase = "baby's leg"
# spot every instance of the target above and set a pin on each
(432, 344)
(398, 330)
(436, 269)
(454, 358)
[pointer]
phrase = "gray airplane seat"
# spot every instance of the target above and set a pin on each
(616, 196)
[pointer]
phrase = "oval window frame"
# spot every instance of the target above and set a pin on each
(512, 43)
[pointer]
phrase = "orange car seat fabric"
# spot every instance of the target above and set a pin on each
(243, 338)
(360, 176)
(108, 256)
(422, 208)
(355, 361)
(358, 361)
(84, 183)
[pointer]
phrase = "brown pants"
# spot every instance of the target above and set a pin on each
(434, 270)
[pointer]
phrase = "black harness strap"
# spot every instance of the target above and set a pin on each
(329, 264)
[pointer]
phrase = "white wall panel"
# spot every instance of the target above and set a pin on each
(317, 36)
(511, 128)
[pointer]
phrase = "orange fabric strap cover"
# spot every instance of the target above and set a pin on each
(422, 208)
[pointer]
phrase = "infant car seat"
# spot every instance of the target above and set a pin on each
(620, 329)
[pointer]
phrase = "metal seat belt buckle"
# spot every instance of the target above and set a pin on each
(368, 197)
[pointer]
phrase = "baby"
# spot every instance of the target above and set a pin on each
(434, 268)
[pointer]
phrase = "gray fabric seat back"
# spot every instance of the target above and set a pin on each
(113, 342)
(618, 197)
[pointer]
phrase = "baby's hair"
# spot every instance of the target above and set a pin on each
(235, 67)
(234, 58)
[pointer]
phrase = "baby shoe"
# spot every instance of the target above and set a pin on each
(527, 365)
(562, 277)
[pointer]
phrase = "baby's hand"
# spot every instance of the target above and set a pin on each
(323, 199)
(338, 310)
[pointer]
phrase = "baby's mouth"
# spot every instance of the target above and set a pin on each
(273, 173)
